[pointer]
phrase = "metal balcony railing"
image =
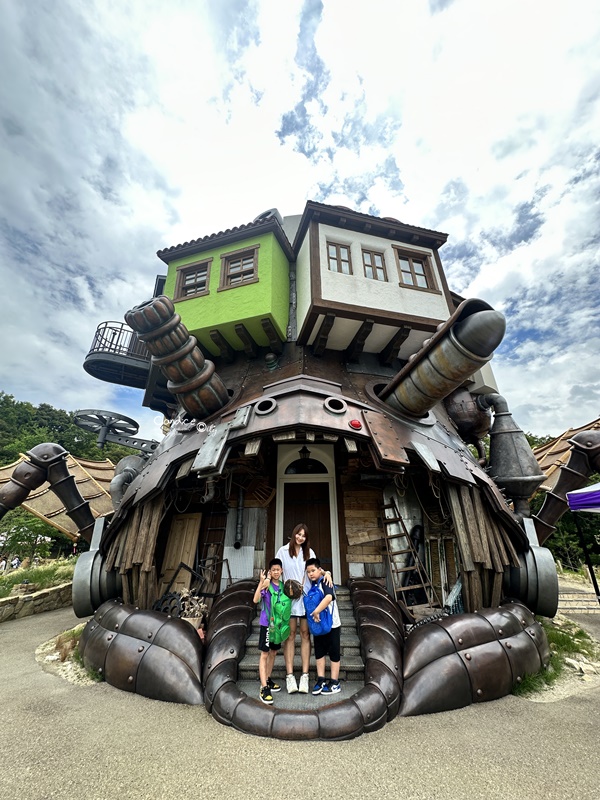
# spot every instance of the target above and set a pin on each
(118, 339)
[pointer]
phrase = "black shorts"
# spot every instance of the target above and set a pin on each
(328, 645)
(264, 645)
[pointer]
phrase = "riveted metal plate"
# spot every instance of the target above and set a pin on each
(340, 721)
(144, 624)
(502, 620)
(225, 702)
(423, 646)
(389, 439)
(182, 639)
(442, 685)
(379, 644)
(225, 672)
(367, 615)
(226, 644)
(122, 661)
(523, 655)
(379, 675)
(164, 676)
(489, 671)
(373, 707)
(295, 725)
(252, 716)
(467, 630)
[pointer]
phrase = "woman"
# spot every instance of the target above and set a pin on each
(293, 557)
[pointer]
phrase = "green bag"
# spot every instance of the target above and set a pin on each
(279, 617)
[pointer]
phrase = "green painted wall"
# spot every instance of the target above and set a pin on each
(269, 297)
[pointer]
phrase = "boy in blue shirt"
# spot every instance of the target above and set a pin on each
(329, 643)
(269, 586)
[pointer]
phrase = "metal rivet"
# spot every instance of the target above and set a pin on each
(232, 651)
(140, 649)
(150, 635)
(518, 679)
(117, 626)
(130, 679)
(508, 646)
(100, 670)
(468, 656)
(109, 637)
(460, 641)
(500, 631)
(479, 692)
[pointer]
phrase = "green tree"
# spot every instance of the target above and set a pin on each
(23, 426)
(25, 535)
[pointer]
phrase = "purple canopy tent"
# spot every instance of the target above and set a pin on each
(586, 499)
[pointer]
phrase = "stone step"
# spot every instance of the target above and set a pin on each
(302, 702)
(349, 642)
(351, 667)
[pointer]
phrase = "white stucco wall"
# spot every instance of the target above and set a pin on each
(364, 292)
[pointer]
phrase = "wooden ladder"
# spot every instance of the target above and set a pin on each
(398, 545)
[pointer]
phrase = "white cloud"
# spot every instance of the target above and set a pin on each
(126, 128)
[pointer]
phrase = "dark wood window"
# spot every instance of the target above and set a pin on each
(239, 268)
(192, 280)
(338, 258)
(374, 265)
(414, 269)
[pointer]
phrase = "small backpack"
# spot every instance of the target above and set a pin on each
(312, 598)
(279, 615)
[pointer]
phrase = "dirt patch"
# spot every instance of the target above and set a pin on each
(49, 656)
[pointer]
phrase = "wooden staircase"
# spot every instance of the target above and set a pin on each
(407, 571)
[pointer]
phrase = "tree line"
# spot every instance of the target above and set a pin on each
(22, 427)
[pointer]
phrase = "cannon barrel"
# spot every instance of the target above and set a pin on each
(460, 346)
(190, 377)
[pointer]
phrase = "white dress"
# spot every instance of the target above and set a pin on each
(294, 568)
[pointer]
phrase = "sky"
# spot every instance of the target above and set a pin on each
(128, 126)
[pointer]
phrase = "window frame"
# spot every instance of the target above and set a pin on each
(338, 259)
(236, 255)
(183, 271)
(372, 253)
(428, 273)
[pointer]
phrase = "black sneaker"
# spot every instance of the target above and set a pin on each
(331, 687)
(274, 687)
(265, 695)
(318, 687)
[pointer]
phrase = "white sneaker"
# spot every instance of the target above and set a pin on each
(303, 683)
(290, 684)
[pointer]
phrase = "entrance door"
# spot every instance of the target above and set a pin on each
(308, 495)
(181, 546)
(309, 503)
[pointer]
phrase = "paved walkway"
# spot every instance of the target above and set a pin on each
(94, 742)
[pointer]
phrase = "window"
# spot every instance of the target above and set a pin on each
(415, 269)
(338, 257)
(192, 280)
(239, 268)
(374, 265)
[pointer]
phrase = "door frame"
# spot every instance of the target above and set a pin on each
(286, 454)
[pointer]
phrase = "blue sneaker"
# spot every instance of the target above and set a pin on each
(331, 687)
(319, 686)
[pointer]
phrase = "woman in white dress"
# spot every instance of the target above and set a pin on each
(293, 557)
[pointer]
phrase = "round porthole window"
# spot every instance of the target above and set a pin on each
(335, 406)
(266, 406)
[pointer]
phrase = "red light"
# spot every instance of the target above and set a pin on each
(356, 424)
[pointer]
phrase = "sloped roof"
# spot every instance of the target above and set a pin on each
(552, 455)
(92, 478)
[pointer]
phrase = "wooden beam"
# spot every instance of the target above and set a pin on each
(250, 346)
(390, 351)
(320, 342)
(357, 344)
(272, 335)
(225, 349)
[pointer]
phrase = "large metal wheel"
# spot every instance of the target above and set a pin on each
(104, 423)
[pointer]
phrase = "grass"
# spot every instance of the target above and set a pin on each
(566, 640)
(45, 576)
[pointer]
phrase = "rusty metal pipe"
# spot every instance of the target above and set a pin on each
(190, 377)
(462, 345)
